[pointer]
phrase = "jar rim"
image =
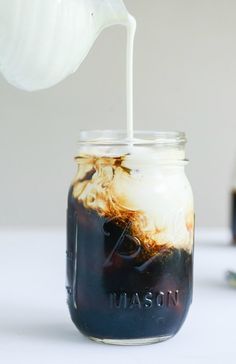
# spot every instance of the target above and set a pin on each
(108, 137)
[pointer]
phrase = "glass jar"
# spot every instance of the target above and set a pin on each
(233, 208)
(130, 237)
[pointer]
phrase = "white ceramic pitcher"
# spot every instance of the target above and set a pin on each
(43, 41)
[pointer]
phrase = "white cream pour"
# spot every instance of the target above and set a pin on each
(43, 41)
(130, 73)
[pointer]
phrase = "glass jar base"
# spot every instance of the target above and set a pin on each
(130, 342)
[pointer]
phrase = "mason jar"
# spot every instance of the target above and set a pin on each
(130, 237)
(233, 208)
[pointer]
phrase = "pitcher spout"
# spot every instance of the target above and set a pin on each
(107, 13)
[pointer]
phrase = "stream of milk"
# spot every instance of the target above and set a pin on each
(131, 30)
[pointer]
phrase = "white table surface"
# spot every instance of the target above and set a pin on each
(35, 326)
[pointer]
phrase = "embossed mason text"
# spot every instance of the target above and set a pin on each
(147, 300)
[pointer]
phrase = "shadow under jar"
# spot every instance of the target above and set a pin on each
(130, 228)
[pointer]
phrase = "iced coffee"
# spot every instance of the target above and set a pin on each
(130, 239)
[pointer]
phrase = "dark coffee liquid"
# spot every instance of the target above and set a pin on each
(116, 290)
(233, 215)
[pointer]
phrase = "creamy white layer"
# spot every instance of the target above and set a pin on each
(152, 191)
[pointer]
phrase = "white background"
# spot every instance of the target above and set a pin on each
(185, 78)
